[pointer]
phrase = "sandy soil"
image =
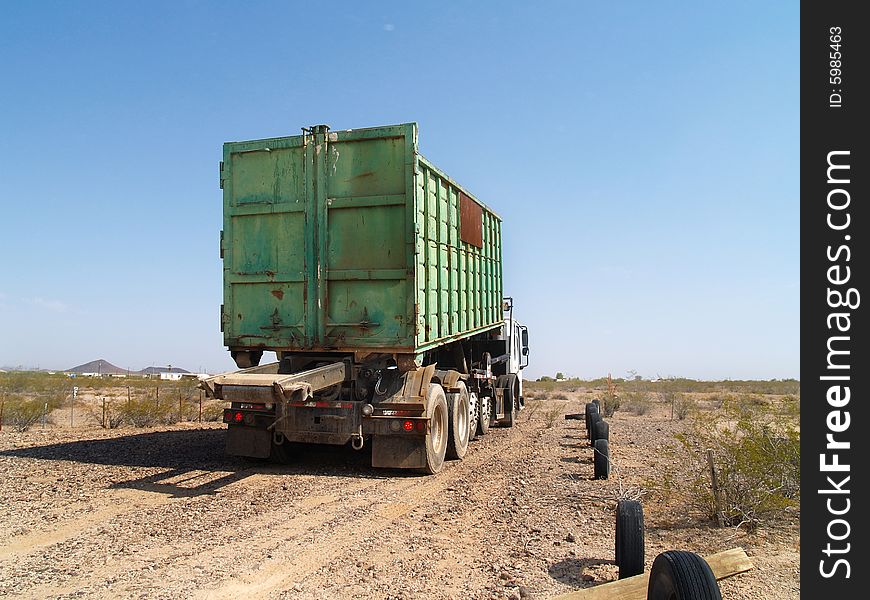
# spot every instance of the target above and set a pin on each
(162, 513)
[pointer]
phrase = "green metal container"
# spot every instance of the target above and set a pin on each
(351, 241)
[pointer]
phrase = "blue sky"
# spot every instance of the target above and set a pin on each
(643, 156)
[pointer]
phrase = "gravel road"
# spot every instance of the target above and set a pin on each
(162, 513)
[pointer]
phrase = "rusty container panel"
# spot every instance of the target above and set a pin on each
(350, 240)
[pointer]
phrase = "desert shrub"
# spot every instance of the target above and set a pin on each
(683, 405)
(114, 417)
(610, 403)
(22, 413)
(754, 401)
(559, 396)
(757, 457)
(531, 408)
(145, 412)
(637, 403)
(552, 414)
(212, 412)
(716, 401)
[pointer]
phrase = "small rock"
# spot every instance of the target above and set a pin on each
(588, 577)
(570, 538)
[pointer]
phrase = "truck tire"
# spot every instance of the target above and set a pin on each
(602, 459)
(590, 408)
(485, 415)
(629, 538)
(511, 386)
(473, 415)
(435, 441)
(601, 431)
(679, 575)
(593, 419)
(281, 453)
(458, 407)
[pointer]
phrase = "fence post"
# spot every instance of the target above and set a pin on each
(200, 406)
(717, 501)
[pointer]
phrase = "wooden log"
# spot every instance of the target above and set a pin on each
(723, 564)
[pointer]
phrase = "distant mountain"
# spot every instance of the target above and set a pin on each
(105, 367)
(97, 366)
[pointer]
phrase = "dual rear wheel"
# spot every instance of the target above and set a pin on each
(463, 417)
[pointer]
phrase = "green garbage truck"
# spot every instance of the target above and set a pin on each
(376, 280)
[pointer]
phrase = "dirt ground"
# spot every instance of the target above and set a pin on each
(162, 513)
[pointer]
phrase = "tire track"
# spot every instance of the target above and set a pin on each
(349, 529)
(122, 503)
(181, 557)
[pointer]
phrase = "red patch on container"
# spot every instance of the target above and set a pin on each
(279, 294)
(470, 221)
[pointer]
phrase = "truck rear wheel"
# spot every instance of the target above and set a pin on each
(473, 415)
(281, 453)
(511, 385)
(484, 416)
(436, 438)
(458, 406)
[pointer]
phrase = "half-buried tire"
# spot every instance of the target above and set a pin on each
(679, 575)
(602, 459)
(629, 538)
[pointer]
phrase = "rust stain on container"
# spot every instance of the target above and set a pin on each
(279, 294)
(470, 221)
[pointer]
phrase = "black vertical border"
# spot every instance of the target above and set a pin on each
(825, 129)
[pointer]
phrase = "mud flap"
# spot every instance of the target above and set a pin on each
(247, 441)
(398, 452)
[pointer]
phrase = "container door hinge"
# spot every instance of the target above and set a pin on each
(222, 318)
(222, 245)
(221, 175)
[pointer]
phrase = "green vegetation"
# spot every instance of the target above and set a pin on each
(756, 452)
(610, 403)
(675, 384)
(637, 402)
(136, 401)
(553, 414)
(27, 396)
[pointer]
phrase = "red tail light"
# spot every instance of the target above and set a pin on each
(408, 425)
(421, 426)
(238, 417)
